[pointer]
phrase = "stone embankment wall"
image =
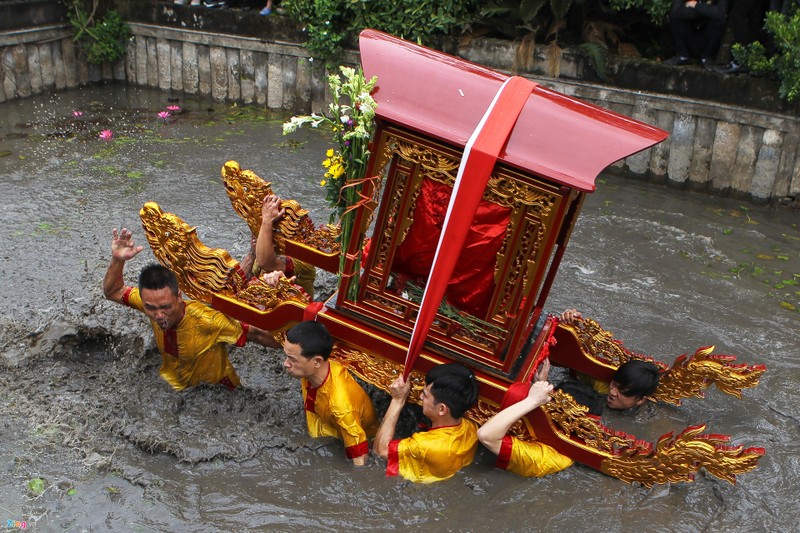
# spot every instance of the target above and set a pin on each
(45, 60)
(712, 147)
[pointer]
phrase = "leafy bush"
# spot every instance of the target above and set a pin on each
(332, 23)
(101, 37)
(785, 62)
(657, 10)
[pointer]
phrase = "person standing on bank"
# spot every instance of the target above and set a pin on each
(696, 27)
(191, 336)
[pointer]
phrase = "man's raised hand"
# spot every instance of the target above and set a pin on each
(122, 246)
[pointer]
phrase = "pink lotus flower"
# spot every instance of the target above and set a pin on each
(106, 135)
(77, 114)
(174, 108)
(164, 115)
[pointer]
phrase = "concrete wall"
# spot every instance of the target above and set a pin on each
(713, 147)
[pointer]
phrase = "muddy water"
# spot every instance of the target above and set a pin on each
(117, 450)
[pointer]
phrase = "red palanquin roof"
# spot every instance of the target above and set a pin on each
(556, 136)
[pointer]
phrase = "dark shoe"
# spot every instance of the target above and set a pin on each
(731, 68)
(708, 64)
(675, 61)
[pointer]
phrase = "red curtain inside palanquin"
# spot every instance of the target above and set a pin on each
(472, 283)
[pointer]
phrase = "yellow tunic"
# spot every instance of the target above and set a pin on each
(433, 455)
(340, 408)
(530, 459)
(304, 273)
(600, 386)
(194, 351)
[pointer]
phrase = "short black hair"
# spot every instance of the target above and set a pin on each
(637, 378)
(313, 338)
(583, 394)
(453, 385)
(154, 277)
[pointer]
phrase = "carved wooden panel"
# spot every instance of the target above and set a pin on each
(533, 205)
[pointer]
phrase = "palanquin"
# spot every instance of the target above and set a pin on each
(492, 318)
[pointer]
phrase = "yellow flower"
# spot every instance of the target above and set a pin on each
(329, 153)
(337, 171)
(322, 183)
(326, 163)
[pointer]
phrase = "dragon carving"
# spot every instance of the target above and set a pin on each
(246, 191)
(688, 376)
(203, 271)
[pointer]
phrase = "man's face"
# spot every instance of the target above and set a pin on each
(297, 365)
(617, 400)
(162, 307)
(430, 408)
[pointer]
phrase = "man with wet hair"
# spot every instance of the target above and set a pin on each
(632, 383)
(335, 404)
(451, 441)
(630, 386)
(190, 336)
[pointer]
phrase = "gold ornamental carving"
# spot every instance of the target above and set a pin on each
(508, 192)
(688, 376)
(265, 297)
(672, 459)
(572, 421)
(246, 191)
(676, 459)
(599, 344)
(432, 161)
(201, 271)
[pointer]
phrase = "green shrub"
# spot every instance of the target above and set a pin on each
(333, 24)
(101, 37)
(657, 10)
(785, 62)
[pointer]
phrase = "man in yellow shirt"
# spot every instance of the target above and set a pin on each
(335, 404)
(631, 384)
(450, 444)
(526, 459)
(191, 336)
(266, 260)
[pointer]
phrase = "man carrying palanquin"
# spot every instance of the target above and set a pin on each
(450, 444)
(263, 257)
(630, 386)
(334, 402)
(191, 336)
